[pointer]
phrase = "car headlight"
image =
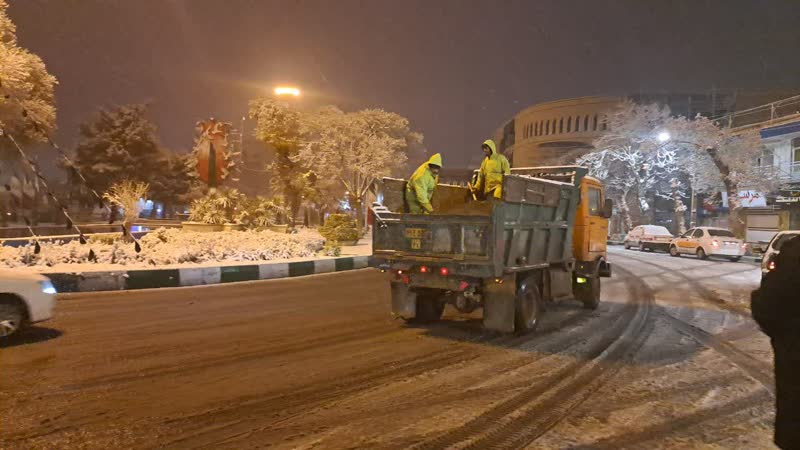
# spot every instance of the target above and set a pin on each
(48, 288)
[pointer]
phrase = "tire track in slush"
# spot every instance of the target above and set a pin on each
(527, 415)
(704, 292)
(753, 367)
(324, 395)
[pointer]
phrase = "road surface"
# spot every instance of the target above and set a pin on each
(670, 359)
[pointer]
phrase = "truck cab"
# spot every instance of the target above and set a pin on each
(589, 240)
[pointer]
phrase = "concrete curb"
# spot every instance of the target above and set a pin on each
(199, 276)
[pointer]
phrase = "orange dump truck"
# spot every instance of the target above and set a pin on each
(544, 240)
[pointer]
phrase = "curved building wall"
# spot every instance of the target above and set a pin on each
(547, 132)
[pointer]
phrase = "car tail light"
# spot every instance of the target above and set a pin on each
(744, 245)
(424, 269)
(715, 243)
(771, 265)
(444, 271)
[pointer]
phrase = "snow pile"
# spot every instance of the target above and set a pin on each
(168, 247)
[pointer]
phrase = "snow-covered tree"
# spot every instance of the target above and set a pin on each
(27, 104)
(278, 126)
(27, 108)
(357, 148)
(177, 182)
(119, 144)
(721, 159)
(629, 157)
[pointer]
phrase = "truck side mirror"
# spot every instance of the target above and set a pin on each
(608, 207)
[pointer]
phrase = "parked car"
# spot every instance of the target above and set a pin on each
(25, 298)
(708, 241)
(774, 247)
(648, 237)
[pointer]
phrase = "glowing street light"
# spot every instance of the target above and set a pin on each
(287, 90)
(663, 136)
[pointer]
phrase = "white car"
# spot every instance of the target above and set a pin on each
(648, 237)
(774, 247)
(708, 241)
(25, 298)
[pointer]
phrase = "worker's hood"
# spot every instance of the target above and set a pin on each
(491, 145)
(436, 160)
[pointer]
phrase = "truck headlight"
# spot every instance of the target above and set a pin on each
(48, 288)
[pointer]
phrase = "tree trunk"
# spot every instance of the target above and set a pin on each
(633, 208)
(625, 213)
(680, 213)
(735, 223)
(358, 202)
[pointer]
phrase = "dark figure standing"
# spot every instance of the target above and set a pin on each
(776, 309)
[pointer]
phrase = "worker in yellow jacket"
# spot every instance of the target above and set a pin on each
(490, 175)
(421, 185)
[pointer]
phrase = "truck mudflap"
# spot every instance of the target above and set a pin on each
(499, 302)
(404, 301)
(605, 269)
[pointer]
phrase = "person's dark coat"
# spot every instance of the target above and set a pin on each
(776, 309)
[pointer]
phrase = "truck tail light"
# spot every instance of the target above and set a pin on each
(444, 271)
(424, 269)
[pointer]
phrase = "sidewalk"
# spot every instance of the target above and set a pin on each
(352, 257)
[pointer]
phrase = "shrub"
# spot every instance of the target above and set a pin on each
(260, 212)
(126, 195)
(107, 239)
(218, 207)
(339, 228)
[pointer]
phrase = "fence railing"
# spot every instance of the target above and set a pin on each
(763, 114)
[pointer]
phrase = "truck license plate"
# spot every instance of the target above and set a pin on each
(415, 233)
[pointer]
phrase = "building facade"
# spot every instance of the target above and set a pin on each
(544, 133)
(558, 131)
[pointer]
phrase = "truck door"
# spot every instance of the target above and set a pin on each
(598, 225)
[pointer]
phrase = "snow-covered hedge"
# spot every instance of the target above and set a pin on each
(169, 247)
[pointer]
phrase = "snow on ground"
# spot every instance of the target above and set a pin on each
(165, 247)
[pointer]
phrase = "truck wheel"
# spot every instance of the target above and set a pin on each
(626, 245)
(589, 293)
(12, 317)
(429, 308)
(673, 251)
(527, 308)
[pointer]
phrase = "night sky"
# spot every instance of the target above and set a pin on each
(456, 69)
